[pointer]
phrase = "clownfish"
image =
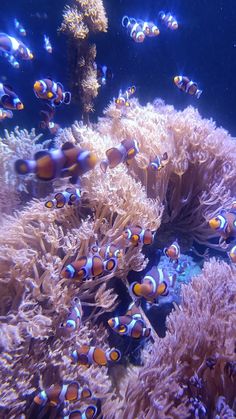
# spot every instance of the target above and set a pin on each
(123, 153)
(137, 235)
(168, 20)
(149, 28)
(70, 196)
(159, 163)
(10, 46)
(5, 113)
(68, 161)
(74, 319)
(47, 44)
(155, 283)
(232, 253)
(123, 98)
(131, 324)
(57, 394)
(88, 267)
(46, 121)
(9, 99)
(19, 27)
(88, 413)
(224, 223)
(104, 74)
(173, 251)
(188, 86)
(87, 355)
(107, 251)
(53, 92)
(134, 28)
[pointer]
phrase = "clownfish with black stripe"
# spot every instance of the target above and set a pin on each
(173, 251)
(123, 153)
(159, 163)
(70, 197)
(137, 235)
(224, 223)
(51, 91)
(156, 283)
(134, 28)
(87, 355)
(88, 267)
(188, 86)
(168, 20)
(149, 28)
(107, 251)
(69, 161)
(122, 101)
(74, 319)
(232, 253)
(87, 413)
(131, 324)
(9, 99)
(12, 47)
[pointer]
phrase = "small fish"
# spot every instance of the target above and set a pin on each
(9, 99)
(134, 29)
(107, 251)
(156, 283)
(173, 251)
(232, 253)
(74, 319)
(137, 235)
(123, 153)
(67, 161)
(224, 223)
(14, 47)
(70, 196)
(57, 394)
(104, 74)
(131, 324)
(46, 122)
(159, 162)
(19, 27)
(47, 44)
(5, 113)
(168, 20)
(123, 98)
(88, 413)
(51, 91)
(87, 355)
(39, 15)
(188, 86)
(149, 28)
(88, 267)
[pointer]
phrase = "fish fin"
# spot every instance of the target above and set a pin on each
(67, 146)
(41, 153)
(104, 165)
(67, 98)
(22, 167)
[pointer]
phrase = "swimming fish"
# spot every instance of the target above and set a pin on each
(224, 223)
(47, 123)
(47, 44)
(173, 251)
(19, 27)
(131, 324)
(149, 28)
(123, 153)
(169, 21)
(107, 251)
(88, 413)
(9, 99)
(156, 283)
(87, 355)
(70, 196)
(188, 86)
(104, 74)
(137, 235)
(134, 29)
(159, 162)
(5, 113)
(88, 267)
(10, 46)
(67, 161)
(123, 98)
(51, 91)
(74, 319)
(232, 253)
(57, 394)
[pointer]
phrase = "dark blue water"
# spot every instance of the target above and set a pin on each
(204, 48)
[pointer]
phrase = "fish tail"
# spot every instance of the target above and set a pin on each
(67, 98)
(198, 93)
(24, 167)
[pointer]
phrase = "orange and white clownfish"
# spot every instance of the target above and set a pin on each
(224, 223)
(156, 283)
(131, 324)
(137, 235)
(88, 267)
(57, 394)
(5, 113)
(88, 413)
(70, 196)
(10, 46)
(149, 28)
(53, 92)
(232, 253)
(173, 251)
(69, 161)
(188, 86)
(107, 251)
(168, 20)
(87, 355)
(47, 44)
(74, 319)
(9, 99)
(19, 27)
(122, 100)
(159, 162)
(123, 153)
(134, 29)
